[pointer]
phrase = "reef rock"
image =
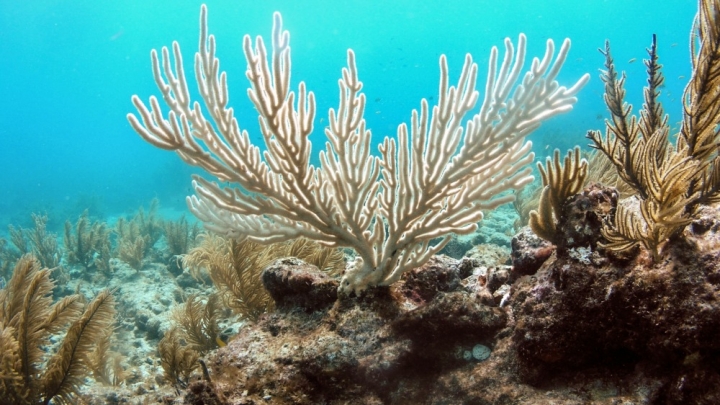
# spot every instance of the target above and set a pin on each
(294, 283)
(390, 345)
(585, 328)
(529, 252)
(584, 214)
(657, 320)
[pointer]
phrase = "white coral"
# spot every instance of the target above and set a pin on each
(430, 182)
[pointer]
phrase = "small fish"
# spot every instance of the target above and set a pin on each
(117, 34)
(681, 77)
(377, 99)
(220, 342)
(632, 60)
(673, 45)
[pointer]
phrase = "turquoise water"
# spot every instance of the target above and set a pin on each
(69, 68)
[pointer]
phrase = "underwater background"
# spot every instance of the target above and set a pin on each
(103, 215)
(69, 68)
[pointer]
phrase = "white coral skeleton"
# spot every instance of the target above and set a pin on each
(394, 209)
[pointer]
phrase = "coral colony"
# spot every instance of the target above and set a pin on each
(434, 180)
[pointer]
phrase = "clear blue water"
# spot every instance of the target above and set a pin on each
(69, 68)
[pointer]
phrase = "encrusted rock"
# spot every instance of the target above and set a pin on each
(583, 216)
(379, 347)
(294, 283)
(454, 314)
(489, 255)
(579, 226)
(529, 252)
(440, 274)
(573, 314)
(703, 233)
(497, 277)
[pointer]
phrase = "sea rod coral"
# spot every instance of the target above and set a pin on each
(395, 209)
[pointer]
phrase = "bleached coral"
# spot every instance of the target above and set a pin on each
(396, 209)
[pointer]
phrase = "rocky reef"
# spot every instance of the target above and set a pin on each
(585, 328)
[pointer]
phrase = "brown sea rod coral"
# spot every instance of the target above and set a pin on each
(28, 319)
(671, 180)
